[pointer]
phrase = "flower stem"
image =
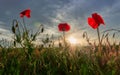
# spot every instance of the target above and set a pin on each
(98, 32)
(64, 38)
(24, 25)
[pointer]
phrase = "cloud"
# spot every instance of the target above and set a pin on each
(2, 23)
(111, 15)
(52, 12)
(5, 34)
(76, 12)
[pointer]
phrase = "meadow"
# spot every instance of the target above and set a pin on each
(22, 57)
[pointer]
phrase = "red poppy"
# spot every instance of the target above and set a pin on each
(95, 21)
(98, 19)
(25, 13)
(64, 27)
(92, 23)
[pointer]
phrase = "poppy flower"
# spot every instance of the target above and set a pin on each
(64, 27)
(95, 21)
(25, 13)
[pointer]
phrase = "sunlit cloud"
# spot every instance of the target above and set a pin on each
(6, 34)
(52, 12)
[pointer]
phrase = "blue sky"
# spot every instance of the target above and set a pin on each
(52, 12)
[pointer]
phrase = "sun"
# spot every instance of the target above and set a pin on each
(72, 40)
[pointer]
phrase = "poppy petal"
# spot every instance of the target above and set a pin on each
(98, 19)
(63, 27)
(92, 23)
(25, 13)
(21, 15)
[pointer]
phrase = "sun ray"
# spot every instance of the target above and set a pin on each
(72, 40)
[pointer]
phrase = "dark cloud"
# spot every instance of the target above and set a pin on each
(52, 12)
(45, 10)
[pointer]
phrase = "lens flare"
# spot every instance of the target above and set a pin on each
(72, 40)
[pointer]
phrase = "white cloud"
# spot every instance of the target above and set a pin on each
(2, 23)
(5, 34)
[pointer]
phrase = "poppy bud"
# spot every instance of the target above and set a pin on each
(83, 35)
(60, 45)
(16, 25)
(14, 43)
(42, 30)
(47, 40)
(13, 29)
(49, 45)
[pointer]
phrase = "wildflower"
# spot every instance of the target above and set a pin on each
(95, 21)
(64, 27)
(25, 13)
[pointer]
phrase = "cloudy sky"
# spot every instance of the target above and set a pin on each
(52, 12)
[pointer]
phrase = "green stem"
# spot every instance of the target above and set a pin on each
(24, 25)
(25, 29)
(64, 38)
(98, 32)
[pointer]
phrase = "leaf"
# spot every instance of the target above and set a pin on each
(18, 38)
(34, 37)
(113, 72)
(102, 38)
(84, 69)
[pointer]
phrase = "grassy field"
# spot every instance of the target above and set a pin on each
(60, 61)
(22, 57)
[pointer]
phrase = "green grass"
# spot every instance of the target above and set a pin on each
(57, 61)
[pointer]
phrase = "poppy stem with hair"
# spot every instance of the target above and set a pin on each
(25, 28)
(98, 32)
(64, 27)
(64, 40)
(24, 24)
